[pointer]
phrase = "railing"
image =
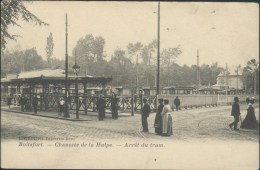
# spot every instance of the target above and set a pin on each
(87, 103)
(189, 101)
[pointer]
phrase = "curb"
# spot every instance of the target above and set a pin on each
(26, 113)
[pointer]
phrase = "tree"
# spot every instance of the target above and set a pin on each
(17, 61)
(251, 76)
(122, 68)
(49, 49)
(134, 49)
(11, 12)
(169, 55)
(89, 51)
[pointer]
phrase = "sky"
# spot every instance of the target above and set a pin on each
(227, 33)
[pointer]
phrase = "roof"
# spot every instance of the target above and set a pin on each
(51, 76)
(45, 73)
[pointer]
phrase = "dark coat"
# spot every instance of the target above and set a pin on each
(101, 104)
(114, 103)
(177, 101)
(35, 101)
(22, 100)
(9, 100)
(247, 100)
(235, 109)
(250, 121)
(146, 110)
(158, 119)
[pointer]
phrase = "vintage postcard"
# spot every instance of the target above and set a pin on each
(129, 85)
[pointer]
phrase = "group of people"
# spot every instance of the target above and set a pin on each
(101, 106)
(26, 105)
(163, 120)
(250, 121)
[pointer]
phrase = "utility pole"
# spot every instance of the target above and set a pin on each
(237, 78)
(66, 113)
(198, 71)
(137, 72)
(158, 52)
(226, 83)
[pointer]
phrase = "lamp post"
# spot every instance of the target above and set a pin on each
(76, 68)
(158, 53)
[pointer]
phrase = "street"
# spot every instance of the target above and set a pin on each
(201, 140)
(188, 125)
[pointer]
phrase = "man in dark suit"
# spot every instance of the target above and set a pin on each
(236, 113)
(145, 114)
(35, 104)
(101, 105)
(22, 102)
(114, 106)
(177, 103)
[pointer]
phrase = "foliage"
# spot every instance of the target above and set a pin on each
(251, 75)
(18, 61)
(89, 51)
(11, 12)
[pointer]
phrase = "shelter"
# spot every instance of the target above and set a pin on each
(47, 84)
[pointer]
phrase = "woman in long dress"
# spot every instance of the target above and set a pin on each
(250, 121)
(158, 118)
(166, 119)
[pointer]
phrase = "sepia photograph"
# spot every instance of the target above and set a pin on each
(129, 85)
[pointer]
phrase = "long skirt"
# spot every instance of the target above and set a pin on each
(249, 122)
(167, 125)
(158, 124)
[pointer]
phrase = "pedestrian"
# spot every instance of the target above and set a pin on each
(250, 121)
(61, 105)
(177, 103)
(146, 110)
(236, 113)
(22, 102)
(101, 104)
(8, 101)
(114, 106)
(158, 118)
(166, 119)
(247, 100)
(252, 100)
(27, 106)
(35, 104)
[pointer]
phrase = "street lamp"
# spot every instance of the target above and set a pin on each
(76, 68)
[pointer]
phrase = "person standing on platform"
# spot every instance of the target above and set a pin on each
(101, 104)
(22, 102)
(177, 103)
(8, 101)
(35, 104)
(236, 113)
(61, 105)
(158, 118)
(114, 106)
(146, 110)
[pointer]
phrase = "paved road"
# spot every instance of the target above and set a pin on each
(188, 125)
(201, 140)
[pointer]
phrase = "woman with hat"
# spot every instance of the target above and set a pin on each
(158, 118)
(166, 119)
(250, 121)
